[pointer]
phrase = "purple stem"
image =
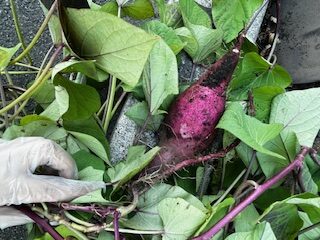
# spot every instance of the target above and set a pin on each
(116, 225)
(40, 221)
(100, 211)
(297, 163)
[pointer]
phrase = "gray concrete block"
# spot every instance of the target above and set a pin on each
(299, 48)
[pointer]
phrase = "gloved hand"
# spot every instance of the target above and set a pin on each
(18, 160)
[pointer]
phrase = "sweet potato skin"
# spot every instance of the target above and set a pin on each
(193, 116)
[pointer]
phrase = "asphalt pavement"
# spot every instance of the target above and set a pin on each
(30, 16)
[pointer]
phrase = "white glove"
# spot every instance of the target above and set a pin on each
(18, 160)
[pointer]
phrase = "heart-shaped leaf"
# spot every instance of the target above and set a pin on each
(232, 15)
(88, 68)
(148, 217)
(6, 54)
(166, 33)
(83, 101)
(93, 144)
(201, 41)
(248, 129)
(256, 72)
(111, 41)
(160, 76)
(194, 14)
(90, 168)
(136, 160)
(299, 112)
(176, 216)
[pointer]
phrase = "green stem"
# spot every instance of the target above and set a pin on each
(4, 103)
(8, 77)
(225, 194)
(35, 86)
(77, 220)
(18, 72)
(102, 108)
(37, 83)
(37, 36)
(111, 94)
(44, 60)
(125, 210)
(110, 98)
(18, 29)
(119, 11)
(118, 103)
(27, 66)
(17, 112)
(138, 232)
(96, 228)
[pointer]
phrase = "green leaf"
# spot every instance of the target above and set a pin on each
(289, 109)
(176, 216)
(45, 94)
(148, 217)
(74, 145)
(166, 33)
(288, 148)
(232, 15)
(90, 168)
(312, 234)
(90, 127)
(110, 41)
(83, 100)
(6, 54)
(93, 6)
(217, 213)
(284, 221)
(262, 231)
(136, 160)
(201, 41)
(139, 113)
(54, 25)
(40, 128)
(93, 144)
(256, 72)
(271, 165)
(139, 9)
(63, 230)
(307, 179)
(262, 98)
(160, 76)
(32, 118)
(186, 36)
(287, 209)
(110, 7)
(59, 106)
(169, 13)
(272, 195)
(87, 67)
(245, 153)
(299, 112)
(104, 235)
(305, 200)
(194, 14)
(248, 129)
(247, 219)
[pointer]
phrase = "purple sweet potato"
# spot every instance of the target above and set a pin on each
(190, 124)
